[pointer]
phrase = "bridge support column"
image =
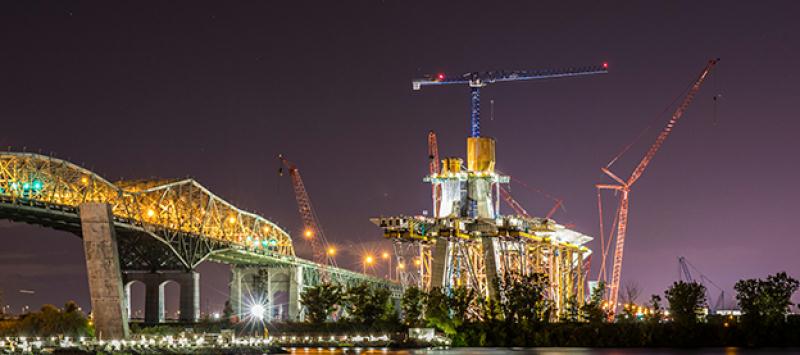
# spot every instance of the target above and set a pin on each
(190, 296)
(154, 282)
(250, 285)
(490, 262)
(153, 294)
(268, 286)
(441, 258)
(296, 286)
(103, 271)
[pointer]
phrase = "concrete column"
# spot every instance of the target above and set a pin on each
(440, 255)
(295, 290)
(153, 294)
(102, 269)
(490, 262)
(235, 295)
(190, 296)
(126, 297)
(270, 297)
(154, 301)
(189, 283)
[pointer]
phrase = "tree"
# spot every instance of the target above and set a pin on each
(657, 311)
(366, 303)
(437, 311)
(522, 297)
(227, 311)
(593, 311)
(766, 301)
(632, 292)
(320, 301)
(413, 304)
(51, 321)
(686, 300)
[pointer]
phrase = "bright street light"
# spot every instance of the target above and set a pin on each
(386, 257)
(368, 260)
(258, 311)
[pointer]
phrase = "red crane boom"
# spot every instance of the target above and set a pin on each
(312, 232)
(624, 187)
(511, 202)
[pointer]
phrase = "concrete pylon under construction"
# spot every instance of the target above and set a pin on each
(469, 243)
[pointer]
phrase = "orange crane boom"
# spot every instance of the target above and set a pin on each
(624, 187)
(312, 232)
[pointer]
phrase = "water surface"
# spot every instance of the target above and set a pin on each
(542, 351)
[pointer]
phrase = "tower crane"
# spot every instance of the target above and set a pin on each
(477, 80)
(433, 167)
(624, 188)
(312, 231)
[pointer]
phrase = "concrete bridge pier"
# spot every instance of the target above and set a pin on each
(154, 282)
(278, 289)
(103, 271)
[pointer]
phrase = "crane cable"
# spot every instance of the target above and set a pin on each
(655, 119)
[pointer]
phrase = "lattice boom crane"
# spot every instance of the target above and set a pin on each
(312, 232)
(624, 188)
(477, 80)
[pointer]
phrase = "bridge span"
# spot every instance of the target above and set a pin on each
(155, 231)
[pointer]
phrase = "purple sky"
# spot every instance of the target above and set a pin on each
(216, 91)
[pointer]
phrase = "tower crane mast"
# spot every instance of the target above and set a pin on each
(312, 231)
(624, 187)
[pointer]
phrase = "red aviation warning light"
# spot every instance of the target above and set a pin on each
(605, 65)
(440, 77)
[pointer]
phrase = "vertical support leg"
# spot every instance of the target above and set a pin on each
(127, 298)
(441, 256)
(153, 299)
(270, 297)
(190, 297)
(490, 262)
(102, 266)
(295, 290)
(235, 296)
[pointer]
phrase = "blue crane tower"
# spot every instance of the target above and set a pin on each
(477, 80)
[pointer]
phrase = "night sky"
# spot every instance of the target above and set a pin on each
(216, 91)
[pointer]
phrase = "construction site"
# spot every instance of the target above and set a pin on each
(469, 241)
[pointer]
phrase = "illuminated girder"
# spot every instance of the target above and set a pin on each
(165, 209)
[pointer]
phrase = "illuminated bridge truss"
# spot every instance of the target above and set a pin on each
(182, 215)
(437, 253)
(160, 224)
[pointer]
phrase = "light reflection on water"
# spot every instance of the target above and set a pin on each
(539, 351)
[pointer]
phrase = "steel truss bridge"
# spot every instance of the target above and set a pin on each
(160, 224)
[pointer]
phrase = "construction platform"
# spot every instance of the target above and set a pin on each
(469, 243)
